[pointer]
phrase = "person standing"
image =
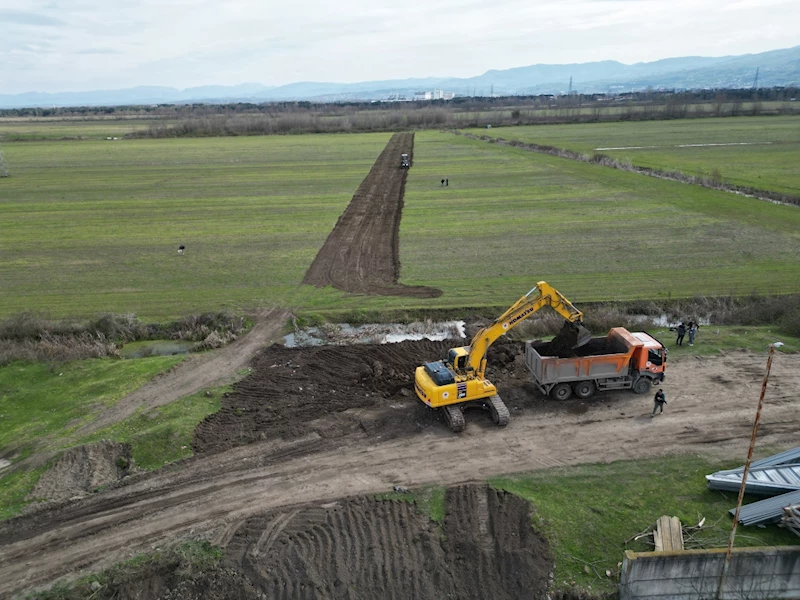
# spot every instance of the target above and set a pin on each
(446, 183)
(693, 327)
(442, 182)
(658, 402)
(681, 333)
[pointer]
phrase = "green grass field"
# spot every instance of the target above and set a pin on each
(93, 226)
(770, 161)
(510, 218)
(22, 129)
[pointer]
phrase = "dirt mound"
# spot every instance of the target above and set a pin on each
(361, 254)
(83, 469)
(296, 391)
(367, 548)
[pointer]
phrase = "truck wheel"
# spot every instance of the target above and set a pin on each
(561, 391)
(585, 389)
(642, 385)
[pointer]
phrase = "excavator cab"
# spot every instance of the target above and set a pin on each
(457, 357)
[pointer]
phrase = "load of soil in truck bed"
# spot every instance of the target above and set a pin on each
(596, 347)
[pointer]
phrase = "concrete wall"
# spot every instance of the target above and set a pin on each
(754, 574)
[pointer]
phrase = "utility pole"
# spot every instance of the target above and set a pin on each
(755, 81)
(726, 565)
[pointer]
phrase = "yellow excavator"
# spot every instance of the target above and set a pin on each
(459, 381)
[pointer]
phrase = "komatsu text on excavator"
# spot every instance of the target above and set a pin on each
(459, 381)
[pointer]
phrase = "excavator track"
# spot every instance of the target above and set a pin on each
(499, 411)
(455, 418)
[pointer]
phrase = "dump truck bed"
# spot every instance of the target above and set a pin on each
(601, 358)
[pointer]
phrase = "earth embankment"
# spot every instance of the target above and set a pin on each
(361, 254)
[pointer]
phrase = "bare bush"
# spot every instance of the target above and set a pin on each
(28, 336)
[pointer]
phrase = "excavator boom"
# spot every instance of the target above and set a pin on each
(542, 294)
(455, 383)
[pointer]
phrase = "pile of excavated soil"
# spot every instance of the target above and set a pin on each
(81, 470)
(367, 548)
(333, 391)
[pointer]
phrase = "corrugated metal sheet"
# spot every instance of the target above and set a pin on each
(789, 457)
(775, 474)
(765, 511)
(763, 482)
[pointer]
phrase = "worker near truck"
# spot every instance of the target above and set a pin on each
(681, 333)
(659, 401)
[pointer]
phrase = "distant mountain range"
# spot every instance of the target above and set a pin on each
(775, 68)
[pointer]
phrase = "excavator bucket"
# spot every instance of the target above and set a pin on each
(572, 335)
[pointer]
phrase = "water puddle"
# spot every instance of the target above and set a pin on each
(342, 334)
(155, 348)
(665, 320)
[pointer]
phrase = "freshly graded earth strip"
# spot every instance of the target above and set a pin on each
(367, 548)
(361, 254)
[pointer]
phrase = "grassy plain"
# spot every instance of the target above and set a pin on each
(759, 152)
(511, 217)
(93, 226)
(28, 129)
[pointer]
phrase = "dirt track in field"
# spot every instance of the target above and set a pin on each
(361, 254)
(197, 372)
(369, 443)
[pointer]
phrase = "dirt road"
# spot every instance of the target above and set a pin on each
(361, 254)
(196, 372)
(710, 410)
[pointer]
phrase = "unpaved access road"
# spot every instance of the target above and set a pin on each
(197, 372)
(361, 254)
(711, 406)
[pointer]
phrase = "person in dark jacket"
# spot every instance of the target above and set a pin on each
(681, 333)
(659, 401)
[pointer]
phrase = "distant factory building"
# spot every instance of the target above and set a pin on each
(434, 95)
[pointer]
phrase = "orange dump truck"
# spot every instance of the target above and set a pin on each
(621, 360)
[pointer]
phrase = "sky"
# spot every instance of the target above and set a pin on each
(79, 45)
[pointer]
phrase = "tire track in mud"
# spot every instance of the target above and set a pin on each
(361, 254)
(368, 548)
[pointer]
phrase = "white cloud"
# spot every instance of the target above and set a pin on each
(89, 44)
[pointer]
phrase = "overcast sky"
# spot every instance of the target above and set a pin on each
(74, 45)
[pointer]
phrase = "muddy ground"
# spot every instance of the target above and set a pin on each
(361, 254)
(710, 411)
(333, 391)
(368, 548)
(360, 548)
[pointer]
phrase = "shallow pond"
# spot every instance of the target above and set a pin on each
(155, 348)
